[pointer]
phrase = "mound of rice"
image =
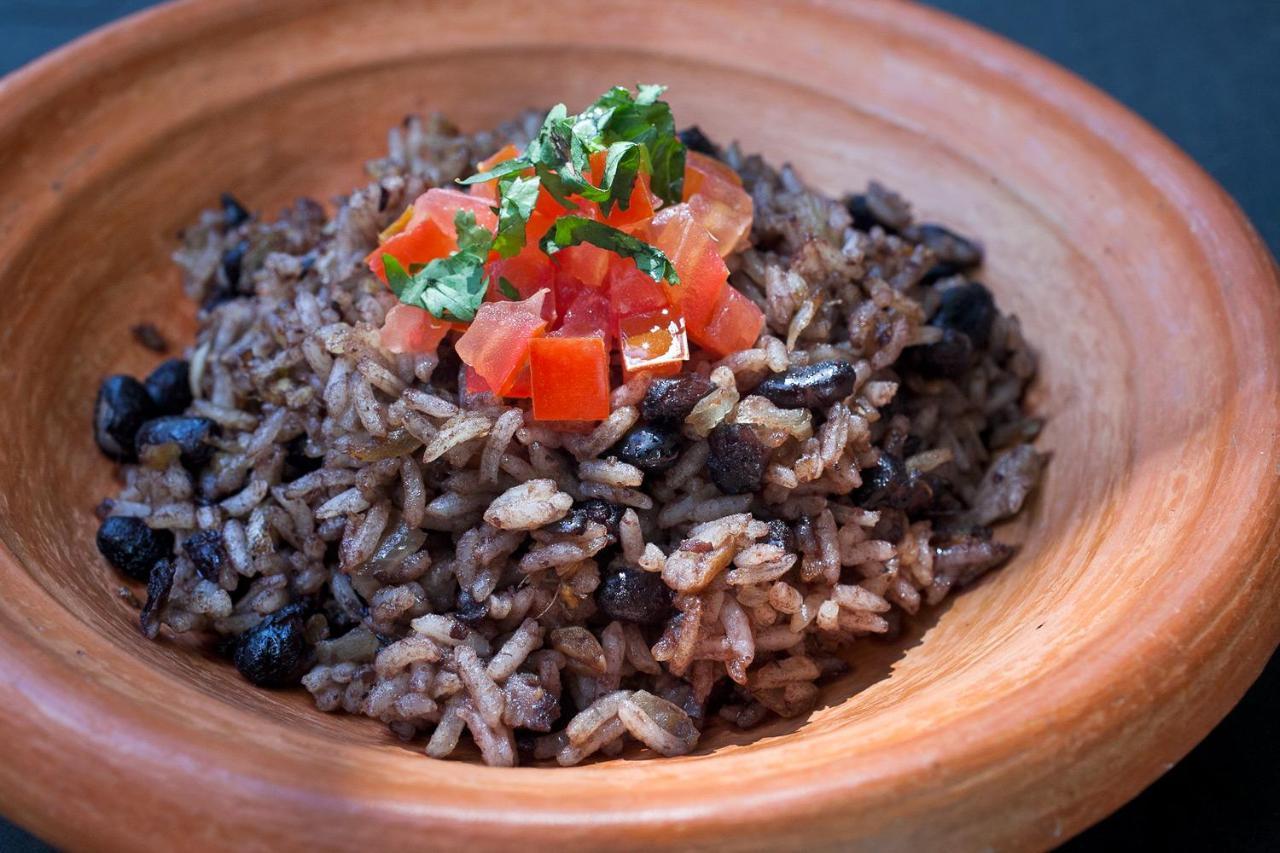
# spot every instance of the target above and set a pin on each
(454, 567)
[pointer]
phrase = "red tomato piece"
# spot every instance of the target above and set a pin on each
(703, 275)
(412, 330)
(422, 244)
(520, 386)
(588, 264)
(430, 232)
(489, 189)
(587, 315)
(441, 206)
(652, 341)
(475, 384)
(736, 325)
(528, 272)
(640, 204)
(569, 379)
(631, 292)
(727, 223)
(496, 344)
(700, 169)
(718, 201)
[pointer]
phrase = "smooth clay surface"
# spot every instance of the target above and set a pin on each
(1142, 605)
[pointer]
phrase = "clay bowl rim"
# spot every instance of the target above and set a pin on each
(1033, 76)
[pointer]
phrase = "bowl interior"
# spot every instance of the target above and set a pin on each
(1142, 377)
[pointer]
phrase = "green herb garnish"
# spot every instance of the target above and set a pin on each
(449, 288)
(636, 132)
(507, 289)
(517, 196)
(573, 230)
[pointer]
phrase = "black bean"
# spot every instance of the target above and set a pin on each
(233, 264)
(947, 246)
(937, 273)
(814, 386)
(170, 386)
(603, 512)
(737, 460)
(161, 440)
(671, 400)
(468, 610)
(891, 527)
(234, 214)
(123, 405)
(296, 460)
(949, 358)
(968, 308)
(208, 552)
(582, 514)
(273, 654)
(946, 506)
(526, 742)
(649, 447)
(159, 585)
(695, 140)
(888, 483)
(781, 534)
(863, 218)
(887, 207)
(631, 595)
(133, 547)
(806, 540)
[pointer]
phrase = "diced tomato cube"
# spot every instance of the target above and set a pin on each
(496, 344)
(528, 272)
(408, 329)
(422, 244)
(703, 275)
(431, 232)
(652, 341)
(701, 169)
(474, 383)
(520, 387)
(736, 325)
(547, 206)
(588, 264)
(587, 314)
(631, 291)
(489, 189)
(715, 195)
(640, 204)
(729, 225)
(536, 227)
(441, 206)
(569, 378)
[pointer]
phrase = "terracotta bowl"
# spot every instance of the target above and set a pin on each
(1144, 601)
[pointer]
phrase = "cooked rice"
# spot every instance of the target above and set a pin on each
(450, 580)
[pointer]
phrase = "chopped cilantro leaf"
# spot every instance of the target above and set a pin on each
(573, 230)
(450, 288)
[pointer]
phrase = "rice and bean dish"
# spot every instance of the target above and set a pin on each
(571, 434)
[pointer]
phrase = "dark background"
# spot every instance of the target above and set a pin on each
(1208, 75)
